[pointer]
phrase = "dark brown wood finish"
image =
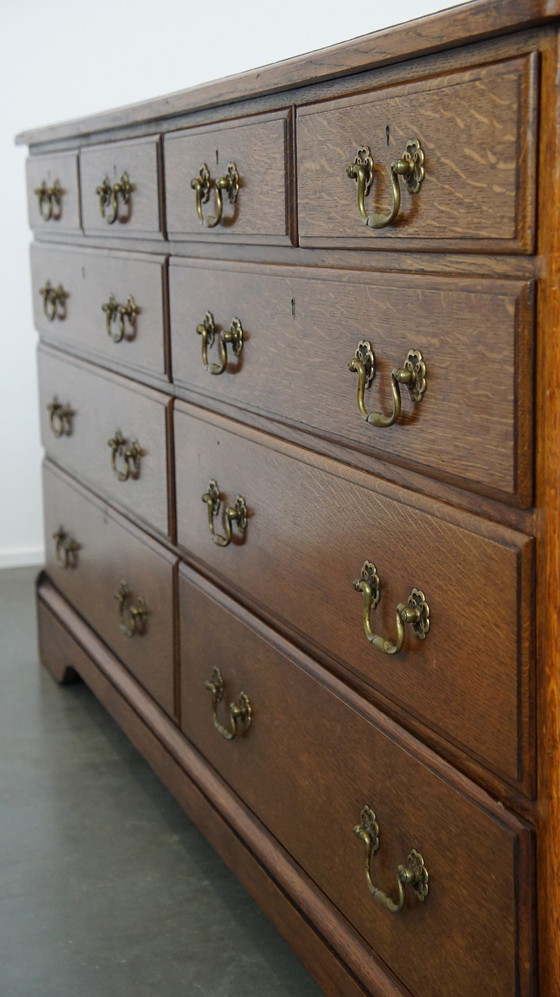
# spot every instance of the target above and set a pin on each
(58, 172)
(143, 214)
(91, 279)
(104, 404)
(260, 148)
(475, 582)
(301, 328)
(112, 551)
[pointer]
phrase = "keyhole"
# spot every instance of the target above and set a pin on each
(387, 133)
(293, 307)
(217, 157)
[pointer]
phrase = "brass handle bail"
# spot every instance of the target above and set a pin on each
(109, 195)
(66, 548)
(54, 301)
(115, 312)
(60, 417)
(125, 457)
(233, 337)
(50, 201)
(132, 619)
(413, 874)
(410, 167)
(412, 374)
(236, 514)
(240, 713)
(202, 185)
(415, 612)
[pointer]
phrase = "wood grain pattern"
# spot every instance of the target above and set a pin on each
(301, 328)
(259, 147)
(468, 23)
(313, 537)
(91, 278)
(104, 403)
(141, 160)
(112, 550)
(334, 777)
(63, 168)
(477, 131)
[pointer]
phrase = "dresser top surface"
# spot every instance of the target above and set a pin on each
(466, 23)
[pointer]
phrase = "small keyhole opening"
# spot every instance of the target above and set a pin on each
(293, 307)
(387, 133)
(217, 156)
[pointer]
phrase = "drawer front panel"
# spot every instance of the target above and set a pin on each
(472, 424)
(93, 280)
(113, 553)
(125, 176)
(308, 535)
(258, 148)
(53, 194)
(307, 765)
(104, 406)
(477, 130)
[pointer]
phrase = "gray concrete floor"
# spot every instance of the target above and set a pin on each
(106, 888)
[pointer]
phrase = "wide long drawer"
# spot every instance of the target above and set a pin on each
(311, 757)
(109, 433)
(309, 538)
(102, 303)
(464, 148)
(280, 340)
(120, 580)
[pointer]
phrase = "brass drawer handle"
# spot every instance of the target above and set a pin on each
(413, 874)
(109, 195)
(412, 374)
(60, 417)
(209, 333)
(237, 514)
(125, 457)
(240, 713)
(66, 548)
(416, 612)
(410, 168)
(132, 619)
(114, 311)
(50, 201)
(54, 301)
(202, 185)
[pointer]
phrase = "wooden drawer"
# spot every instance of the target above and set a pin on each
(53, 194)
(128, 177)
(301, 328)
(477, 130)
(105, 407)
(258, 148)
(113, 558)
(312, 524)
(313, 757)
(94, 280)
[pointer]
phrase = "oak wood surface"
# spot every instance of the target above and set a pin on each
(311, 538)
(60, 169)
(468, 23)
(91, 279)
(143, 214)
(112, 551)
(301, 329)
(342, 764)
(104, 403)
(260, 148)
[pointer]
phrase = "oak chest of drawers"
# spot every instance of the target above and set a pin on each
(299, 376)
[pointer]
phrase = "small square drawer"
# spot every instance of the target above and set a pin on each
(354, 801)
(107, 305)
(119, 580)
(229, 182)
(53, 196)
(120, 186)
(109, 433)
(445, 162)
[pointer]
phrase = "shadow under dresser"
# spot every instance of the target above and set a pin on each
(300, 405)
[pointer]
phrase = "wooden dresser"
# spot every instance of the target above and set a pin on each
(300, 374)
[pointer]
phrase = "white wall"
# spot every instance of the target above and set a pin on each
(65, 58)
